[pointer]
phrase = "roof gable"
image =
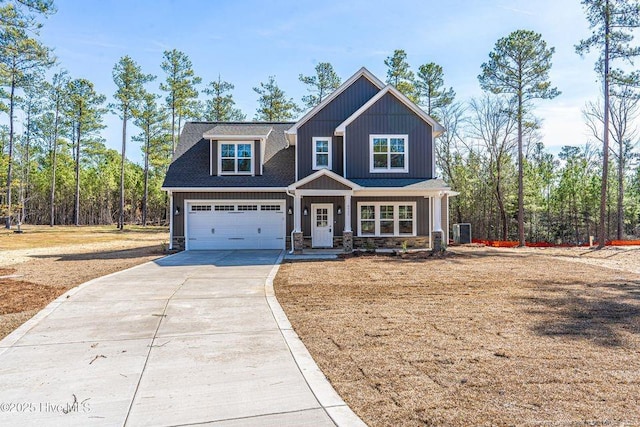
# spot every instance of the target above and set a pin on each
(363, 72)
(389, 89)
(324, 179)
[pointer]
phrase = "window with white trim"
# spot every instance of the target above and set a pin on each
(386, 219)
(321, 152)
(236, 158)
(389, 153)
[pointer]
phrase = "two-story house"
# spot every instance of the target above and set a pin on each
(357, 171)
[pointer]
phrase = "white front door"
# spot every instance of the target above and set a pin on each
(322, 225)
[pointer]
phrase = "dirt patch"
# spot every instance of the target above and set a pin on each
(487, 337)
(17, 296)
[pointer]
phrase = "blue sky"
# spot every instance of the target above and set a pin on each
(246, 41)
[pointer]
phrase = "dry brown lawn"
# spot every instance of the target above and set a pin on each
(43, 263)
(484, 337)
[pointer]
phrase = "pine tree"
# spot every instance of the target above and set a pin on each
(273, 105)
(221, 107)
(85, 109)
(612, 23)
(430, 89)
(180, 86)
(519, 66)
(130, 81)
(321, 85)
(400, 75)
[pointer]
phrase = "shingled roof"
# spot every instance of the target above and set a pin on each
(190, 165)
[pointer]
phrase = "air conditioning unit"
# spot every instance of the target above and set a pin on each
(462, 233)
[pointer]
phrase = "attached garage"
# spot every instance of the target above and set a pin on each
(245, 224)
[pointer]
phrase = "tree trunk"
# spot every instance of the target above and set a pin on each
(10, 166)
(602, 238)
(521, 240)
(146, 178)
(124, 149)
(620, 231)
(76, 213)
(52, 196)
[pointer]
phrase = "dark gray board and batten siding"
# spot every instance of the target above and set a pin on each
(324, 123)
(389, 116)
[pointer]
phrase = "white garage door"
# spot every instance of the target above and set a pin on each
(238, 225)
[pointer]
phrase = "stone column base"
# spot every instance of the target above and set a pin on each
(298, 242)
(347, 241)
(436, 241)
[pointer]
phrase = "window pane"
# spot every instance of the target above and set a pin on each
(228, 150)
(322, 160)
(322, 146)
(397, 145)
(397, 161)
(406, 227)
(368, 227)
(380, 161)
(386, 212)
(367, 212)
(228, 165)
(380, 145)
(386, 227)
(244, 165)
(405, 212)
(244, 150)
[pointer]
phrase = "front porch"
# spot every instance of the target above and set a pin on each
(328, 213)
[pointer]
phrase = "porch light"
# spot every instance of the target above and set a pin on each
(305, 212)
(177, 210)
(339, 210)
(290, 210)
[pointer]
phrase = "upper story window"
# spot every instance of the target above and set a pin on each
(321, 153)
(389, 153)
(236, 158)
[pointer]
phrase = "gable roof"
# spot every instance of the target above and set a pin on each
(362, 72)
(437, 127)
(328, 173)
(191, 160)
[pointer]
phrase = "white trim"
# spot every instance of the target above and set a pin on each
(389, 169)
(295, 147)
(292, 132)
(211, 157)
(313, 192)
(446, 220)
(396, 219)
(344, 155)
(328, 153)
(170, 220)
(225, 189)
(347, 213)
(312, 218)
(437, 128)
(212, 202)
(236, 137)
(252, 172)
(324, 172)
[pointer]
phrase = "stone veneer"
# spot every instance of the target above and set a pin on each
(178, 243)
(347, 241)
(298, 242)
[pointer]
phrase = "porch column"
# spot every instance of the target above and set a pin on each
(347, 212)
(298, 240)
(347, 234)
(437, 233)
(297, 218)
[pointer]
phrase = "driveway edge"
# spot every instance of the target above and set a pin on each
(15, 336)
(320, 386)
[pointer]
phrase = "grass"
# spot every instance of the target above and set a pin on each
(41, 236)
(480, 338)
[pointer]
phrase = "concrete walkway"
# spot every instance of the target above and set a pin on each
(196, 338)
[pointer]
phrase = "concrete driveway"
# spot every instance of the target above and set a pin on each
(194, 338)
